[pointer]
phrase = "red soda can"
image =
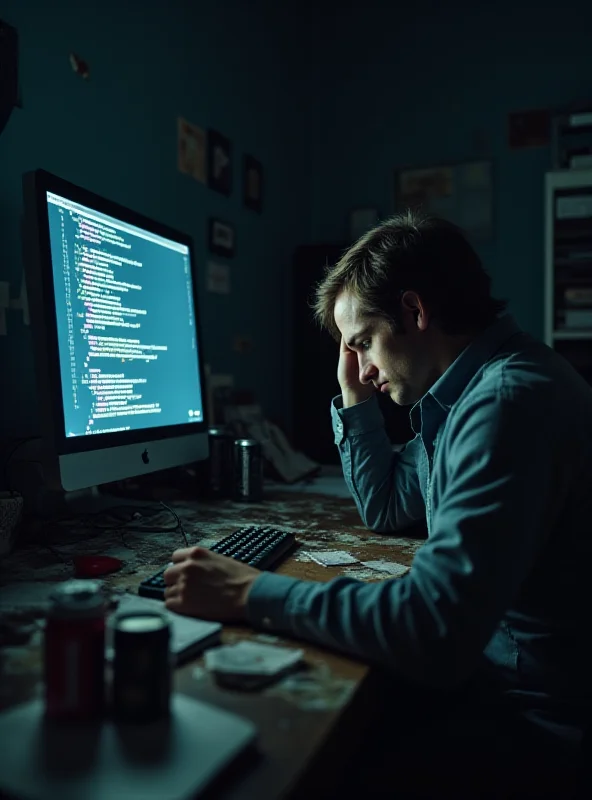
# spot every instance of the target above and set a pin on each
(74, 652)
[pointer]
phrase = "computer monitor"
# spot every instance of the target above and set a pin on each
(112, 300)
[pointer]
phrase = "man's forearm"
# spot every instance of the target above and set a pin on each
(384, 484)
(351, 397)
(393, 624)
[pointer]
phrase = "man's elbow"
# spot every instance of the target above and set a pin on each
(384, 523)
(380, 526)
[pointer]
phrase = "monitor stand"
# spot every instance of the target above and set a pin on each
(29, 469)
(93, 501)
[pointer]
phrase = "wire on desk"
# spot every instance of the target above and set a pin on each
(121, 529)
(179, 523)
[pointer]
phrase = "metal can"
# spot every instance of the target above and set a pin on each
(142, 666)
(74, 651)
(221, 445)
(248, 470)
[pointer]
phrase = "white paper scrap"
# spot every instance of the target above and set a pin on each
(331, 558)
(392, 567)
(251, 658)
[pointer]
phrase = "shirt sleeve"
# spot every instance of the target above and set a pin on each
(383, 480)
(433, 624)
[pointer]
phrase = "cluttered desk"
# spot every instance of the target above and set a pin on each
(291, 727)
(104, 692)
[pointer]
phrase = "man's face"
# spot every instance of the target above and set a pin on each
(401, 365)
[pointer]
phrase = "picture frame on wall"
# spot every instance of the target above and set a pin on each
(219, 162)
(253, 183)
(191, 150)
(221, 238)
(461, 192)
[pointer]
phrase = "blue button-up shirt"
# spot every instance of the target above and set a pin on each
(501, 469)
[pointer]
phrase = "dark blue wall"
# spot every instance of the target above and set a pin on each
(407, 84)
(331, 102)
(232, 65)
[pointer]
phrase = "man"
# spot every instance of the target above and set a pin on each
(495, 610)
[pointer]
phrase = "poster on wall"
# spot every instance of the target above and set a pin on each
(221, 238)
(191, 150)
(219, 163)
(461, 193)
(253, 183)
(218, 278)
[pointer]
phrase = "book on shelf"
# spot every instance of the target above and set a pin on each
(577, 318)
(578, 296)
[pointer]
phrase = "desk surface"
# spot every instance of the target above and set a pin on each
(301, 725)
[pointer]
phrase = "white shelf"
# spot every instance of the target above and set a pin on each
(575, 181)
(584, 334)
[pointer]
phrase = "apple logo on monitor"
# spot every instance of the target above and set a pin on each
(145, 457)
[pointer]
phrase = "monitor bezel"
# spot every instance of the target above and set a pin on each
(44, 182)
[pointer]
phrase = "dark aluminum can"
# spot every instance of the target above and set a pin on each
(141, 666)
(221, 444)
(248, 470)
(74, 652)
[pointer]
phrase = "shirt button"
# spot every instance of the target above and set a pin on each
(266, 622)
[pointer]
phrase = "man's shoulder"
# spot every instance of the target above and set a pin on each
(530, 376)
(523, 370)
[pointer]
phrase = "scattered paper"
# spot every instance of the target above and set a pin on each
(315, 689)
(392, 567)
(267, 638)
(218, 278)
(331, 558)
(251, 658)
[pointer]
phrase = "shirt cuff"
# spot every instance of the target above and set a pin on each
(267, 601)
(361, 418)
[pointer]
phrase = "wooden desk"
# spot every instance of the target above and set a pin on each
(300, 746)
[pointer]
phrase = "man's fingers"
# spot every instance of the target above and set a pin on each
(172, 591)
(173, 603)
(172, 574)
(188, 552)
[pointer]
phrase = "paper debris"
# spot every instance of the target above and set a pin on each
(331, 558)
(251, 658)
(393, 568)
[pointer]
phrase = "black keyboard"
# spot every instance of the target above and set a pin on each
(263, 548)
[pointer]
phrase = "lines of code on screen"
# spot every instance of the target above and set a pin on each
(125, 324)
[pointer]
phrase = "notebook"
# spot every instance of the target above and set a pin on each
(189, 636)
(172, 759)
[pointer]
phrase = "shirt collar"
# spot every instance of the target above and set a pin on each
(449, 387)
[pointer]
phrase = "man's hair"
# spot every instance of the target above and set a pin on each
(409, 251)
